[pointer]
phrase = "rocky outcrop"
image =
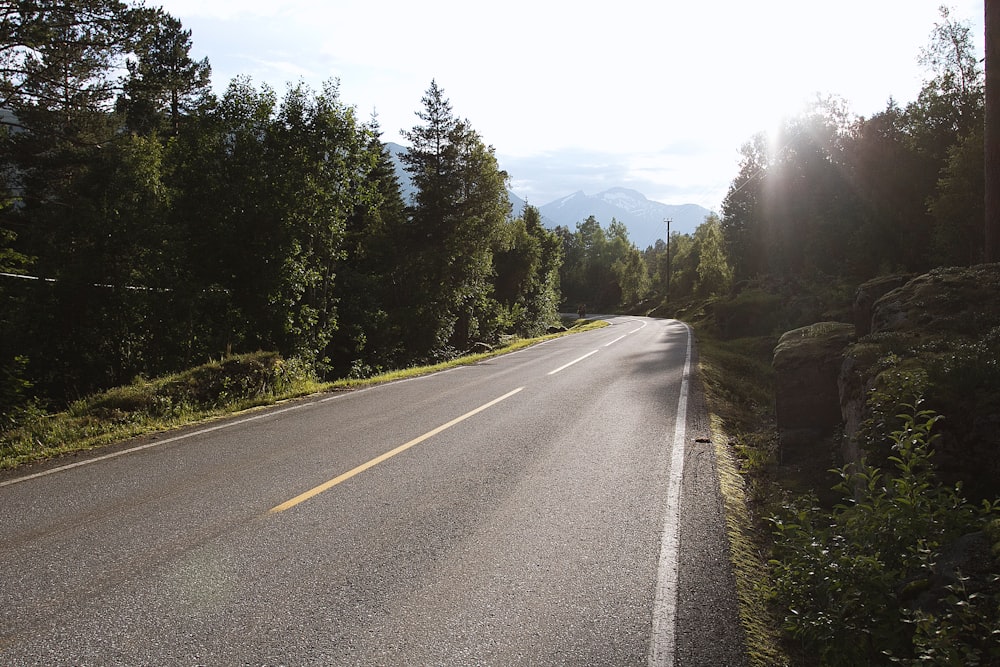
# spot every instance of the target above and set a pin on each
(944, 328)
(870, 292)
(960, 301)
(807, 365)
(940, 329)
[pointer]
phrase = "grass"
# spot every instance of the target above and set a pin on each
(211, 391)
(739, 387)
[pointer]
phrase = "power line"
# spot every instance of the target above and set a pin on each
(137, 288)
(134, 288)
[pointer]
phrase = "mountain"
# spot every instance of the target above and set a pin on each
(645, 219)
(405, 186)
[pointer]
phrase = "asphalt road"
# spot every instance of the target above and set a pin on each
(527, 510)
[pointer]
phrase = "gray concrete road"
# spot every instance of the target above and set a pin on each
(539, 508)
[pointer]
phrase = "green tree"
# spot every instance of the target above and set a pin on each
(601, 269)
(542, 294)
(806, 203)
(59, 62)
(236, 240)
(673, 274)
(742, 226)
(14, 385)
(958, 204)
(322, 160)
(632, 276)
(371, 330)
(946, 124)
(460, 208)
(79, 181)
(950, 102)
(527, 274)
(111, 285)
(164, 83)
(714, 273)
(891, 179)
(268, 191)
(571, 279)
(600, 287)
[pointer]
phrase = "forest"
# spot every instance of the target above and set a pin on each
(149, 225)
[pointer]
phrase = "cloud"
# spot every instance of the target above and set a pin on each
(665, 176)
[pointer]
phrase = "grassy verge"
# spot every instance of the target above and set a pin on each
(738, 382)
(217, 389)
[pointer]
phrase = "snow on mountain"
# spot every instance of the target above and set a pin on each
(645, 219)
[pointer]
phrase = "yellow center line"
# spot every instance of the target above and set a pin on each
(302, 497)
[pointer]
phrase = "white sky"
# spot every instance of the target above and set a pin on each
(656, 95)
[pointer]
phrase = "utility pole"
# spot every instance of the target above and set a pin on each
(992, 131)
(667, 295)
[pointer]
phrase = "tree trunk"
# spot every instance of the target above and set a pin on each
(992, 131)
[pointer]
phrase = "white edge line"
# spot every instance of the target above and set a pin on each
(663, 642)
(149, 445)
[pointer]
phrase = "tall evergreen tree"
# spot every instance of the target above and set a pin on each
(59, 61)
(164, 82)
(372, 328)
(460, 207)
(60, 66)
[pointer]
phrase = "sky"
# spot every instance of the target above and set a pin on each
(654, 95)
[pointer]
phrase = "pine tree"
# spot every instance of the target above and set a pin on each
(164, 83)
(460, 206)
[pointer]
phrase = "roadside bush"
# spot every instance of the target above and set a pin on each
(14, 391)
(145, 406)
(868, 584)
(752, 312)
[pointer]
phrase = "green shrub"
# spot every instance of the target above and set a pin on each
(856, 585)
(145, 406)
(752, 312)
(14, 391)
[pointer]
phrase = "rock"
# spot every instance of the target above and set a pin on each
(870, 292)
(807, 363)
(957, 300)
(943, 327)
(855, 383)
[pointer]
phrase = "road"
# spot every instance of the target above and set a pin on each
(538, 508)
